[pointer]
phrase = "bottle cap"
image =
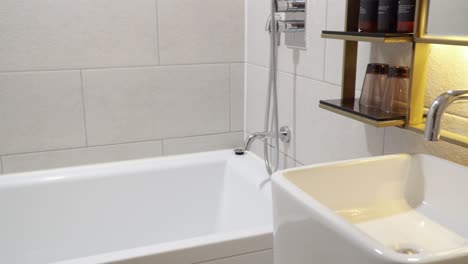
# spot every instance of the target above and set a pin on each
(399, 72)
(377, 68)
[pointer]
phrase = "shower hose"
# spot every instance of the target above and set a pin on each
(271, 111)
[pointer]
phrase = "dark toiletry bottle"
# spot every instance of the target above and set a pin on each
(368, 15)
(406, 11)
(387, 16)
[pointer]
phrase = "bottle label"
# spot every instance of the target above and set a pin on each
(387, 16)
(406, 11)
(368, 10)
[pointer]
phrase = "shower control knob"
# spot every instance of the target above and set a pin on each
(285, 134)
(290, 6)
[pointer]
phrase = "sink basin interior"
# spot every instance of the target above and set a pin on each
(412, 205)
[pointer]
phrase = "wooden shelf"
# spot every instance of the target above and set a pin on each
(369, 37)
(370, 116)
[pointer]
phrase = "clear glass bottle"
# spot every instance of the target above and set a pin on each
(374, 84)
(396, 93)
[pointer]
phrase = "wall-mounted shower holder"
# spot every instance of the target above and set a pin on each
(291, 16)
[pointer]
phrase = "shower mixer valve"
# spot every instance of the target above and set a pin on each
(290, 16)
(290, 6)
(287, 25)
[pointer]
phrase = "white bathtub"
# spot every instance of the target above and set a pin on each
(182, 209)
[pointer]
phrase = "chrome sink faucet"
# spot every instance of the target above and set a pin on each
(434, 117)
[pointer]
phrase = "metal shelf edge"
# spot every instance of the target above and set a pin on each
(363, 119)
(368, 39)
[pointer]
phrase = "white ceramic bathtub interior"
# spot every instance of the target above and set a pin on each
(182, 209)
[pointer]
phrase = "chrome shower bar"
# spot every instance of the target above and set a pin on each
(290, 5)
(291, 26)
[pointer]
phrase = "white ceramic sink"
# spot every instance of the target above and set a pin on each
(391, 209)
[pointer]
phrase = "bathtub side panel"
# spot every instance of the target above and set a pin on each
(205, 253)
(260, 257)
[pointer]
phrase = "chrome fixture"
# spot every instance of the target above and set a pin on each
(432, 132)
(290, 6)
(278, 22)
(286, 26)
(284, 136)
(291, 26)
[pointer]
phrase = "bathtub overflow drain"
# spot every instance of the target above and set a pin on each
(407, 251)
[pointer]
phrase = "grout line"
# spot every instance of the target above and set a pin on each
(119, 67)
(84, 107)
(158, 56)
(232, 256)
(121, 143)
(293, 132)
(1, 165)
(298, 75)
(244, 98)
(230, 97)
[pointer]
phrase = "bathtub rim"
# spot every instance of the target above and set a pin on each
(74, 173)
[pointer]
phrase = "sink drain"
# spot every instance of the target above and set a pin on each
(407, 251)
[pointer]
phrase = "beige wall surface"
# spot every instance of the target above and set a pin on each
(95, 81)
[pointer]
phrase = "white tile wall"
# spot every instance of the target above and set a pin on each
(80, 156)
(116, 92)
(256, 85)
(237, 96)
(68, 34)
(41, 111)
(121, 105)
(113, 49)
(203, 143)
(194, 31)
(336, 13)
(323, 136)
(138, 104)
(304, 79)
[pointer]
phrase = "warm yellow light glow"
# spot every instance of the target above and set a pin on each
(451, 52)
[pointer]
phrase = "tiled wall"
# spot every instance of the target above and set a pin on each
(306, 76)
(104, 80)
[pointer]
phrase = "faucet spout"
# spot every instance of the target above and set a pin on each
(284, 134)
(434, 117)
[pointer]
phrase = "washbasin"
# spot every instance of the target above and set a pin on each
(389, 209)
